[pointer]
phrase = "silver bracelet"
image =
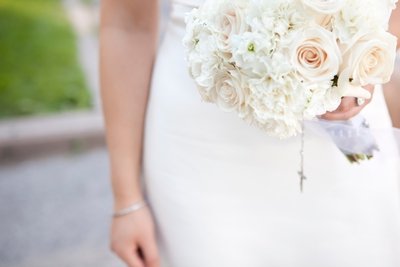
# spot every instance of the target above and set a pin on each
(134, 207)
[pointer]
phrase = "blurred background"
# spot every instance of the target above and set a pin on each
(55, 196)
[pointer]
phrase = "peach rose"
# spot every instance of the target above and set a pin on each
(316, 55)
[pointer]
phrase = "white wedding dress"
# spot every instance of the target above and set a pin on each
(224, 194)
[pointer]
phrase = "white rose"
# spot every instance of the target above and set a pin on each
(315, 54)
(371, 59)
(324, 6)
(229, 92)
(230, 20)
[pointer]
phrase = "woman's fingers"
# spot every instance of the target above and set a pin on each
(133, 239)
(347, 110)
(348, 107)
(146, 257)
(150, 251)
(131, 257)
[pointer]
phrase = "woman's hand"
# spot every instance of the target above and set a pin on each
(133, 239)
(348, 107)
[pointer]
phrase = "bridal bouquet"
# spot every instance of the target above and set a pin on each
(280, 62)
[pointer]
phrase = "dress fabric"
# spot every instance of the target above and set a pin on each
(223, 193)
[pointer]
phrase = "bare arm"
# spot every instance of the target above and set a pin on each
(128, 40)
(394, 24)
(392, 89)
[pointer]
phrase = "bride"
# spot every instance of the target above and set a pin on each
(196, 187)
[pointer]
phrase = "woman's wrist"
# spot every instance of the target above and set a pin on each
(142, 203)
(126, 190)
(121, 202)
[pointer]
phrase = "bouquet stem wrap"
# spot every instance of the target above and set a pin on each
(353, 137)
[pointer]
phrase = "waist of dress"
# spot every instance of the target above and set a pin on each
(179, 9)
(188, 3)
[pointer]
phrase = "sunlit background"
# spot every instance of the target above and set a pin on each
(55, 198)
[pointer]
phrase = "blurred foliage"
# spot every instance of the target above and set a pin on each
(39, 69)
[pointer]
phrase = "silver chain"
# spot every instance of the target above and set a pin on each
(301, 171)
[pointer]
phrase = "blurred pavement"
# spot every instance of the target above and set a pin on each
(55, 212)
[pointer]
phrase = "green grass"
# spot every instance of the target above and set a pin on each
(39, 70)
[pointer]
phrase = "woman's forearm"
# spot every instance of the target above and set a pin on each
(392, 89)
(394, 24)
(127, 50)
